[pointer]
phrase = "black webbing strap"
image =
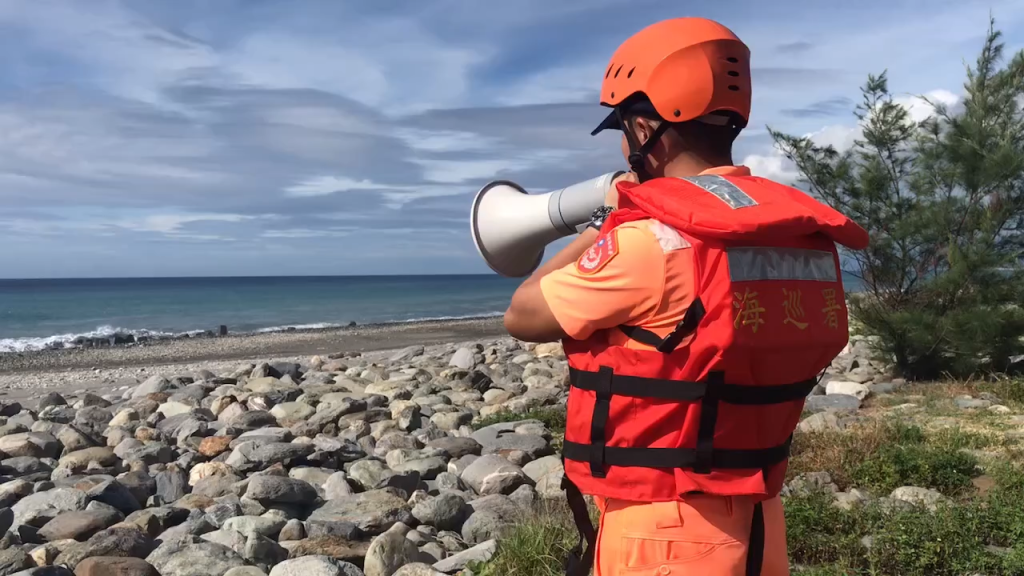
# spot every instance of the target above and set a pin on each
(602, 406)
(638, 387)
(755, 546)
(681, 390)
(721, 458)
(708, 419)
(687, 326)
(579, 561)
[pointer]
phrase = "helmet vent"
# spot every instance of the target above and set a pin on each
(630, 75)
(732, 60)
(610, 66)
(733, 73)
(734, 88)
(617, 70)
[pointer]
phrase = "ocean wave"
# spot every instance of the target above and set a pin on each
(110, 334)
(113, 336)
(314, 326)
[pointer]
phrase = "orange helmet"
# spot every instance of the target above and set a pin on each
(687, 68)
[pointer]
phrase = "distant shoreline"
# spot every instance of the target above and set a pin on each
(287, 342)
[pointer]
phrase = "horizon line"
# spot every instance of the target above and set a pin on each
(243, 276)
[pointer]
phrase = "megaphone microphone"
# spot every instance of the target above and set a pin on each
(511, 228)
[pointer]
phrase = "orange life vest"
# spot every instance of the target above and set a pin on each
(715, 414)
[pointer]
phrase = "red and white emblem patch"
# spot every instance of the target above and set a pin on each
(598, 255)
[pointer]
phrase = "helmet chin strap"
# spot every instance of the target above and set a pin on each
(638, 152)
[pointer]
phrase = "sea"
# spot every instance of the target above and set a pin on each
(46, 314)
(41, 314)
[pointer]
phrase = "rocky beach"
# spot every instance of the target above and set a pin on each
(402, 462)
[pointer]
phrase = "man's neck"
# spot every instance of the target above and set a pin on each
(689, 164)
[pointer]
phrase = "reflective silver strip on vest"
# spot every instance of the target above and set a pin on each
(749, 264)
(725, 191)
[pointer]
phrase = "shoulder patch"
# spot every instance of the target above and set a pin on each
(600, 254)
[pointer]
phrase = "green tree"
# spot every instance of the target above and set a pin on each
(943, 201)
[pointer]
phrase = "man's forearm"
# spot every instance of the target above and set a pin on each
(528, 317)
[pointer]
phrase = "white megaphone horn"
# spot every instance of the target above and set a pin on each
(511, 228)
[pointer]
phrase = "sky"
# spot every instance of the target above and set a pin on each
(326, 137)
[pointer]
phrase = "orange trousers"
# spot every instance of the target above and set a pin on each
(701, 536)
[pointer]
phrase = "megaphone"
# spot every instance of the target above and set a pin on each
(511, 227)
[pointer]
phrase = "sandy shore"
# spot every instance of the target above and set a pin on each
(104, 368)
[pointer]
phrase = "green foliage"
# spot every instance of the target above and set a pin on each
(943, 201)
(536, 546)
(883, 456)
(948, 471)
(553, 418)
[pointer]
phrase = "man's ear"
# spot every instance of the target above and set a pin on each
(643, 128)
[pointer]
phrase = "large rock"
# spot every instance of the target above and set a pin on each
(101, 456)
(464, 358)
(202, 559)
(154, 385)
(406, 354)
(389, 551)
(820, 422)
(268, 490)
(482, 552)
(456, 447)
(113, 493)
(262, 550)
(114, 566)
(492, 517)
(373, 511)
(447, 511)
(14, 560)
(333, 546)
(833, 403)
(246, 525)
(35, 444)
(315, 566)
(251, 456)
(288, 413)
(914, 495)
(270, 385)
(417, 569)
(115, 541)
(58, 499)
(337, 486)
(492, 474)
(855, 389)
(78, 525)
(527, 435)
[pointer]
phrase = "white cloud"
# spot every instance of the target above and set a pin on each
(307, 233)
(566, 84)
(922, 107)
(324, 185)
(172, 223)
(773, 167)
(122, 52)
(444, 140)
(777, 167)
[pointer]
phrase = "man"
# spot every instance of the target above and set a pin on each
(696, 317)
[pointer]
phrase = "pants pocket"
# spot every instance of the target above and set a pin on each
(657, 556)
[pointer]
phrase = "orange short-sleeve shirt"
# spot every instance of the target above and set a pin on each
(647, 281)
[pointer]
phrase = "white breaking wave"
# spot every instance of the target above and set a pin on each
(60, 341)
(65, 341)
(316, 326)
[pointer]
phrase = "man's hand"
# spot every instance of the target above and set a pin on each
(612, 197)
